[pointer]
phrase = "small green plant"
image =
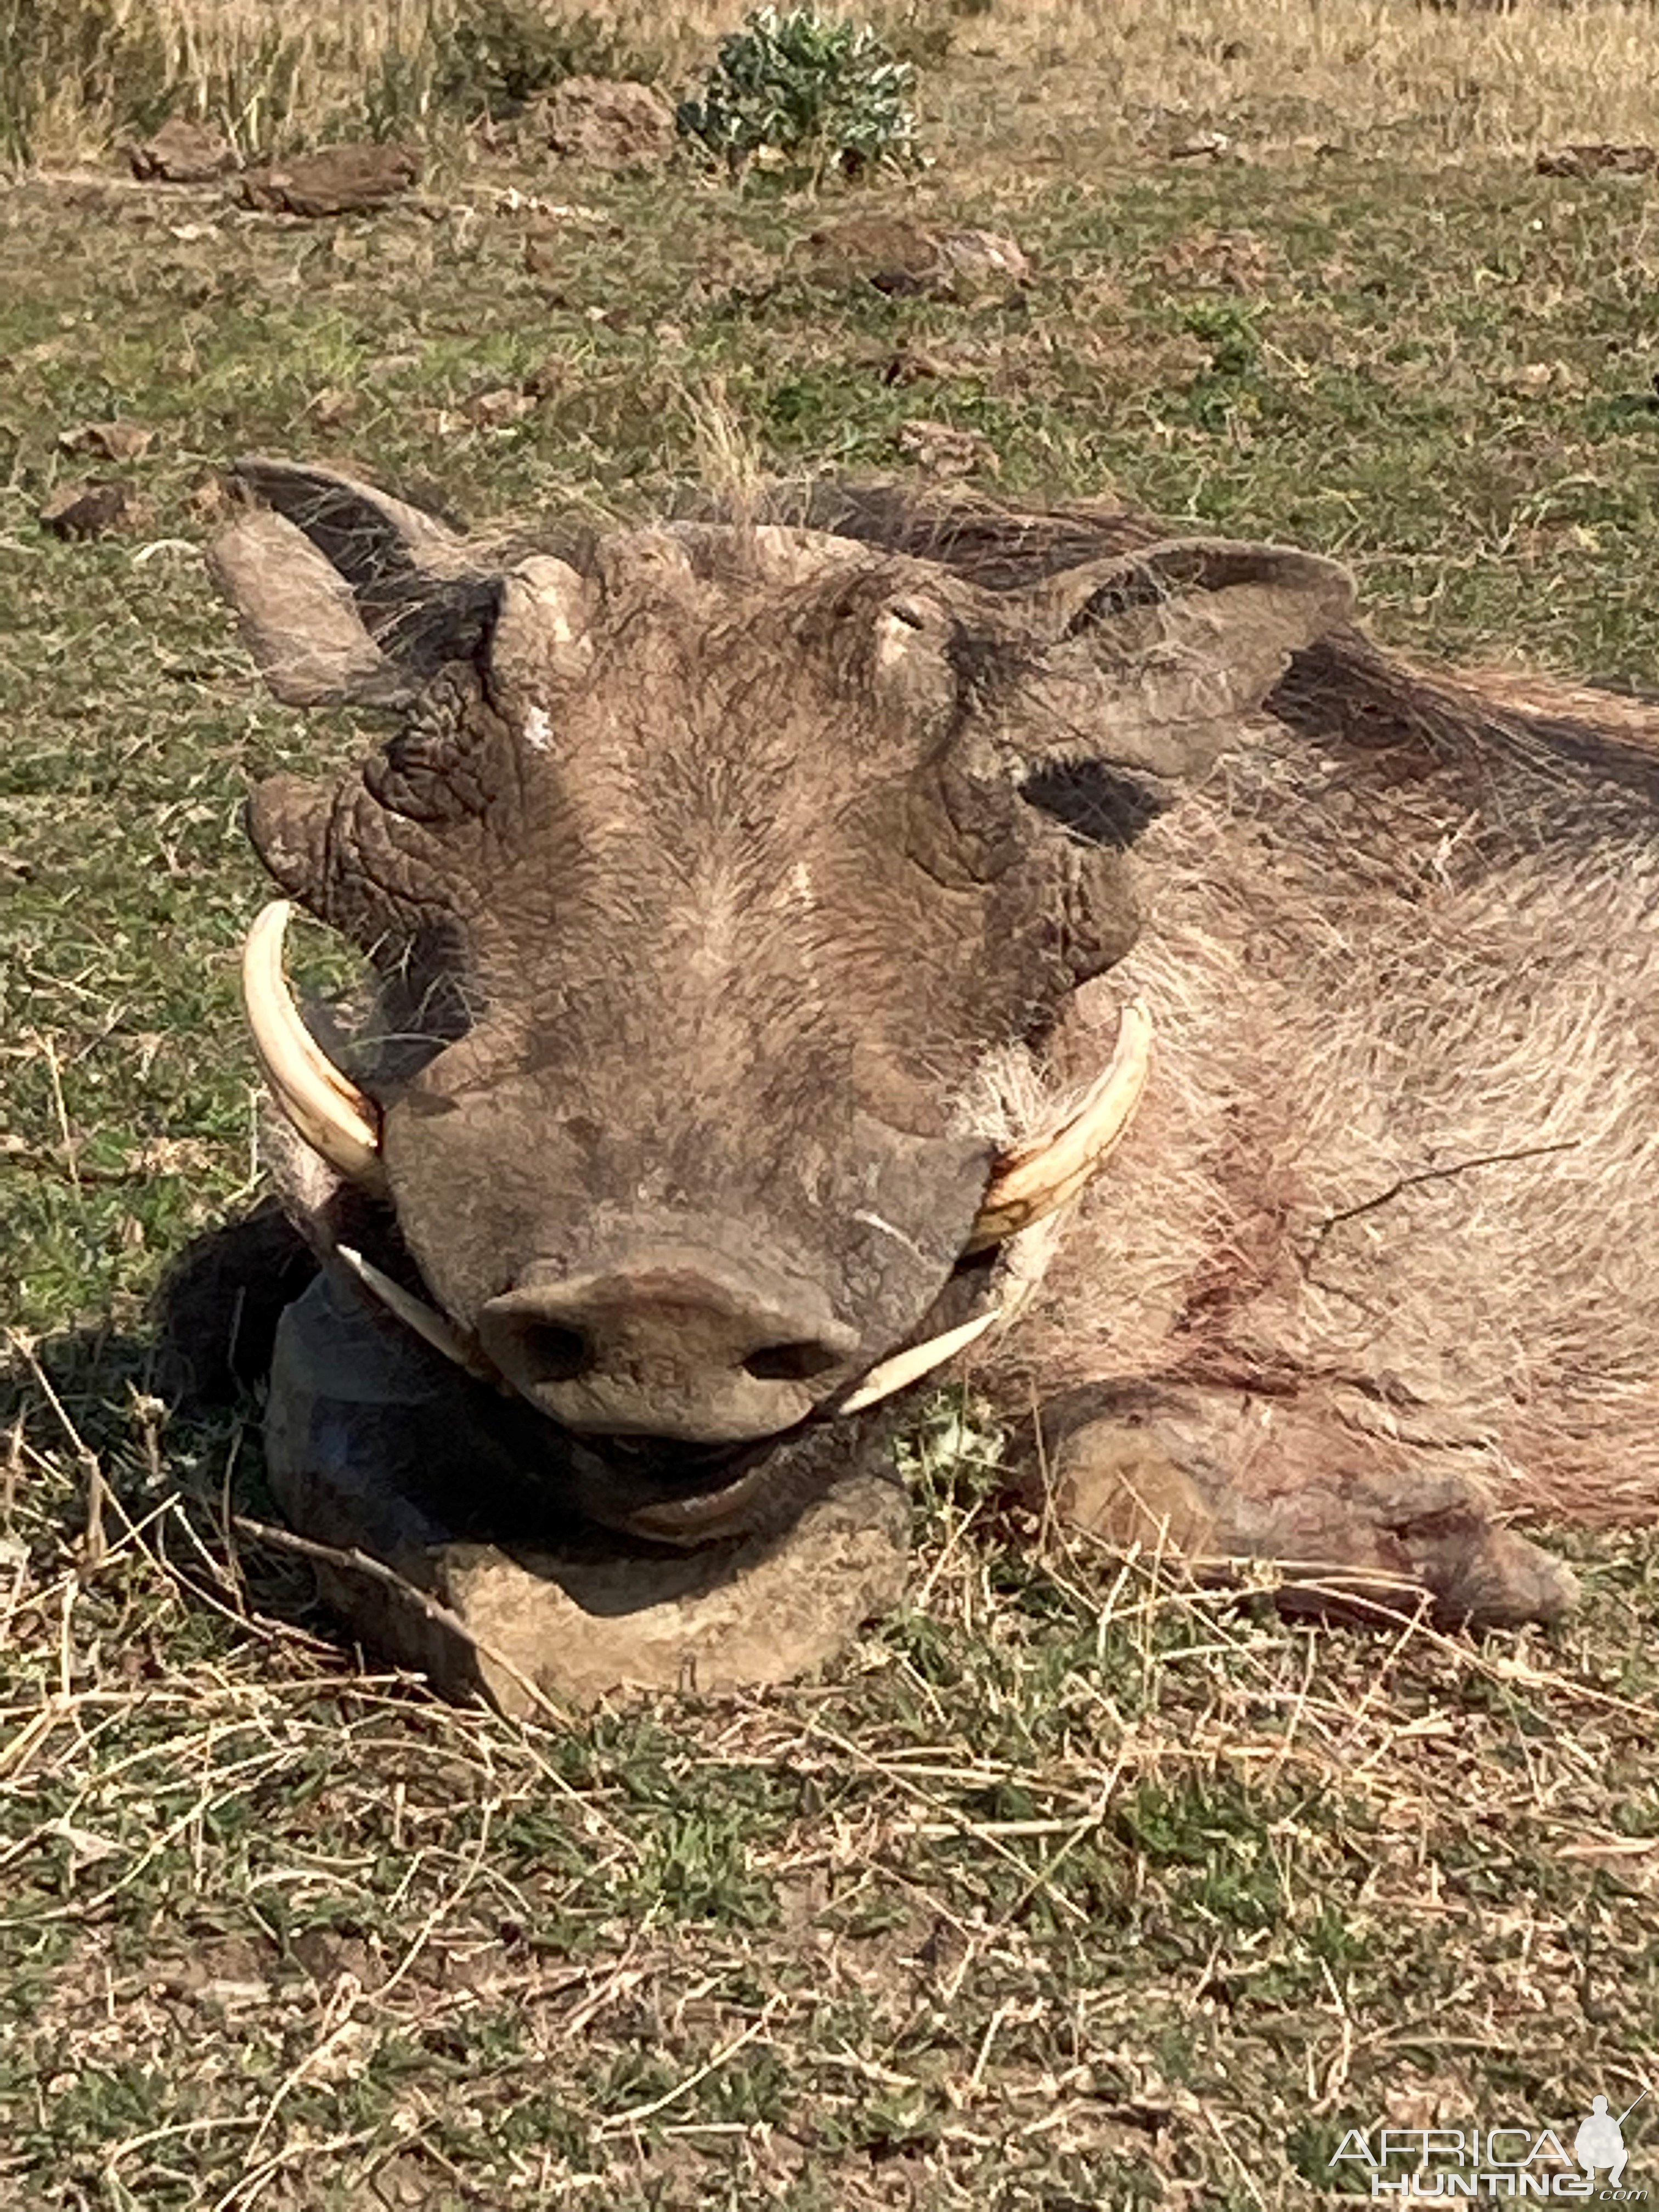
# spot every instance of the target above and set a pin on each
(808, 91)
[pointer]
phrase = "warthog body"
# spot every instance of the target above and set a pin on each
(740, 892)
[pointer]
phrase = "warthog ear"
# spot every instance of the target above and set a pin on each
(1152, 659)
(347, 595)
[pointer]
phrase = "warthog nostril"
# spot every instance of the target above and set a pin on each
(551, 1353)
(792, 1363)
(672, 1341)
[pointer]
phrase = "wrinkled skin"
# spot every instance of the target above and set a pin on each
(709, 867)
(702, 880)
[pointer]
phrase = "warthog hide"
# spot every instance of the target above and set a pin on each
(740, 891)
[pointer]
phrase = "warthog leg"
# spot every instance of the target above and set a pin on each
(1357, 1522)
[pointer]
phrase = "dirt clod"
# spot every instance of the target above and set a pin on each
(1595, 160)
(945, 451)
(906, 258)
(109, 441)
(84, 509)
(609, 123)
(182, 153)
(335, 180)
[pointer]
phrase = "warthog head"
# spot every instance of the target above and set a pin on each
(706, 866)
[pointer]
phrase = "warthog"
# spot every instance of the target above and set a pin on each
(757, 911)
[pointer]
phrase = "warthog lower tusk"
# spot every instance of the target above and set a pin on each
(1040, 1176)
(330, 1113)
(905, 1368)
(431, 1327)
(1029, 1181)
(428, 1323)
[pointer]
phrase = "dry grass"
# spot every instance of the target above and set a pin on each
(1457, 79)
(1072, 1889)
(1383, 74)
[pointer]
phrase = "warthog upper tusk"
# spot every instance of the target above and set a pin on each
(1040, 1176)
(905, 1368)
(428, 1323)
(330, 1113)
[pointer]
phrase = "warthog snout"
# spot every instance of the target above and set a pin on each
(669, 1341)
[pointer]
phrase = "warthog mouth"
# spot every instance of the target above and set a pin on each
(706, 1488)
(722, 1485)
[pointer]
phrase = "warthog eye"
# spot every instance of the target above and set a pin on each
(1101, 805)
(1136, 588)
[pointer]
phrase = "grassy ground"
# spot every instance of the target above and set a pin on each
(1068, 1889)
